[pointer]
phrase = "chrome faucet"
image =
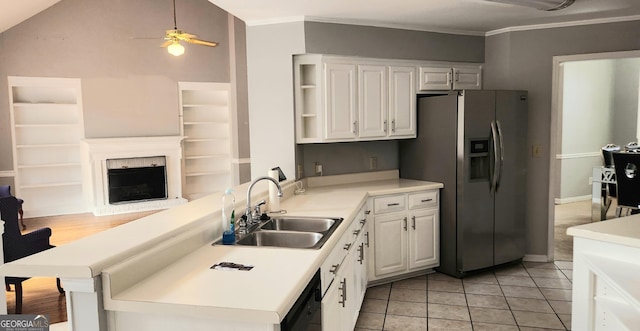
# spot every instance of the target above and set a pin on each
(251, 218)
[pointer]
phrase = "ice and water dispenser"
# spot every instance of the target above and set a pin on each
(479, 162)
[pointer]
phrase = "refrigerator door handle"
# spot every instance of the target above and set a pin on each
(499, 177)
(496, 160)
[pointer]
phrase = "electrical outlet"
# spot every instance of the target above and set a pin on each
(536, 151)
(318, 169)
(300, 171)
(373, 163)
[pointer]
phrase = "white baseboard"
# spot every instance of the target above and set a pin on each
(559, 201)
(535, 258)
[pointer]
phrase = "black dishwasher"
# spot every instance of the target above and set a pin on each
(305, 314)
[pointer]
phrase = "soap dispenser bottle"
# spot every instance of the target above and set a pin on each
(228, 217)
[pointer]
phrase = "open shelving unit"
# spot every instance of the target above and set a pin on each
(47, 128)
(205, 116)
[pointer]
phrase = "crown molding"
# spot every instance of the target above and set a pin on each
(563, 24)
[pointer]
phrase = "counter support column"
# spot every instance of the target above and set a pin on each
(85, 310)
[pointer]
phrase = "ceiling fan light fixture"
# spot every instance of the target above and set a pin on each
(546, 5)
(175, 49)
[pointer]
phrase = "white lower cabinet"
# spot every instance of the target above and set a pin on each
(405, 234)
(342, 300)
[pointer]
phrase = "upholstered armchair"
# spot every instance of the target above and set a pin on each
(5, 191)
(16, 245)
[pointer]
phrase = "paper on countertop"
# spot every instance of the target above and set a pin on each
(230, 266)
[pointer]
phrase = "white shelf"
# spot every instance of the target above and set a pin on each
(47, 130)
(205, 116)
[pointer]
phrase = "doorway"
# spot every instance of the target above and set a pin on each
(579, 128)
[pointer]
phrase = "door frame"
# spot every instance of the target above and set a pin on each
(556, 126)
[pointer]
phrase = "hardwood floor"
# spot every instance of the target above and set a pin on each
(40, 295)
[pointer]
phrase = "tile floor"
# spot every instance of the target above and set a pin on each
(528, 297)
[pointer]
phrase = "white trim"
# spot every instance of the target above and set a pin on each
(536, 258)
(562, 201)
(241, 161)
(563, 24)
(577, 155)
(8, 173)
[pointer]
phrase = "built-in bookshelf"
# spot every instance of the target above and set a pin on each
(47, 129)
(205, 116)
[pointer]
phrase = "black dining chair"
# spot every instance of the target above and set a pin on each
(627, 165)
(17, 245)
(5, 191)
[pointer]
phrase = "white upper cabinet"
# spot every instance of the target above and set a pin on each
(450, 77)
(353, 99)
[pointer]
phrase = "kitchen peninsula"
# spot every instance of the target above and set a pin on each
(154, 273)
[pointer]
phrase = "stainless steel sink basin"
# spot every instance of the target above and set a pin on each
(289, 232)
(303, 224)
(290, 239)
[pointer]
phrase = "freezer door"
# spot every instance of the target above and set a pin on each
(475, 169)
(510, 197)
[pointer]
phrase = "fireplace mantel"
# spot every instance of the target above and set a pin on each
(98, 150)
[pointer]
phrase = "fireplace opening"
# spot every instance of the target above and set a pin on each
(137, 179)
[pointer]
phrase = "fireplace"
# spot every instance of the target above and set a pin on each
(137, 179)
(133, 174)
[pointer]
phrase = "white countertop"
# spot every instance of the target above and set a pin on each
(622, 231)
(188, 286)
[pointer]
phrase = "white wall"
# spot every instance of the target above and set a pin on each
(270, 50)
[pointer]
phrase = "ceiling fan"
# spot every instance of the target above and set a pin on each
(174, 36)
(546, 5)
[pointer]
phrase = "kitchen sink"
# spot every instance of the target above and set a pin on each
(304, 224)
(290, 232)
(290, 239)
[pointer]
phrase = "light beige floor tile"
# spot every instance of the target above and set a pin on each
(542, 265)
(568, 274)
(378, 292)
(564, 265)
(486, 278)
(405, 308)
(487, 301)
(552, 283)
(485, 289)
(490, 315)
(546, 273)
(460, 313)
(374, 306)
(442, 277)
(493, 327)
(561, 307)
(516, 280)
(405, 323)
(370, 321)
(539, 320)
(526, 328)
(556, 294)
(566, 320)
(418, 283)
(448, 298)
(446, 286)
(438, 324)
(525, 304)
(512, 270)
(522, 292)
(407, 294)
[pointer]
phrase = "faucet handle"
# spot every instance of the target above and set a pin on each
(256, 213)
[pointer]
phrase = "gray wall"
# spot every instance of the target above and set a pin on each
(524, 60)
(129, 83)
(366, 41)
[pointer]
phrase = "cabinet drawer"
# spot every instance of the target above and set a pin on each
(423, 200)
(389, 204)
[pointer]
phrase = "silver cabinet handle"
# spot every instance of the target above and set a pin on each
(356, 232)
(347, 246)
(393, 204)
(367, 212)
(343, 295)
(355, 127)
(413, 222)
(405, 224)
(426, 200)
(334, 269)
(385, 126)
(393, 125)
(367, 242)
(361, 251)
(363, 222)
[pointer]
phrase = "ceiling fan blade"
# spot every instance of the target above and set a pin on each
(166, 43)
(202, 42)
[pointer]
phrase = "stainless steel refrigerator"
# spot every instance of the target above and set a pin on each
(475, 142)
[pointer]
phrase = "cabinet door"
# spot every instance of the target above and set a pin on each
(402, 102)
(340, 101)
(372, 101)
(332, 307)
(390, 243)
(423, 239)
(467, 78)
(435, 78)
